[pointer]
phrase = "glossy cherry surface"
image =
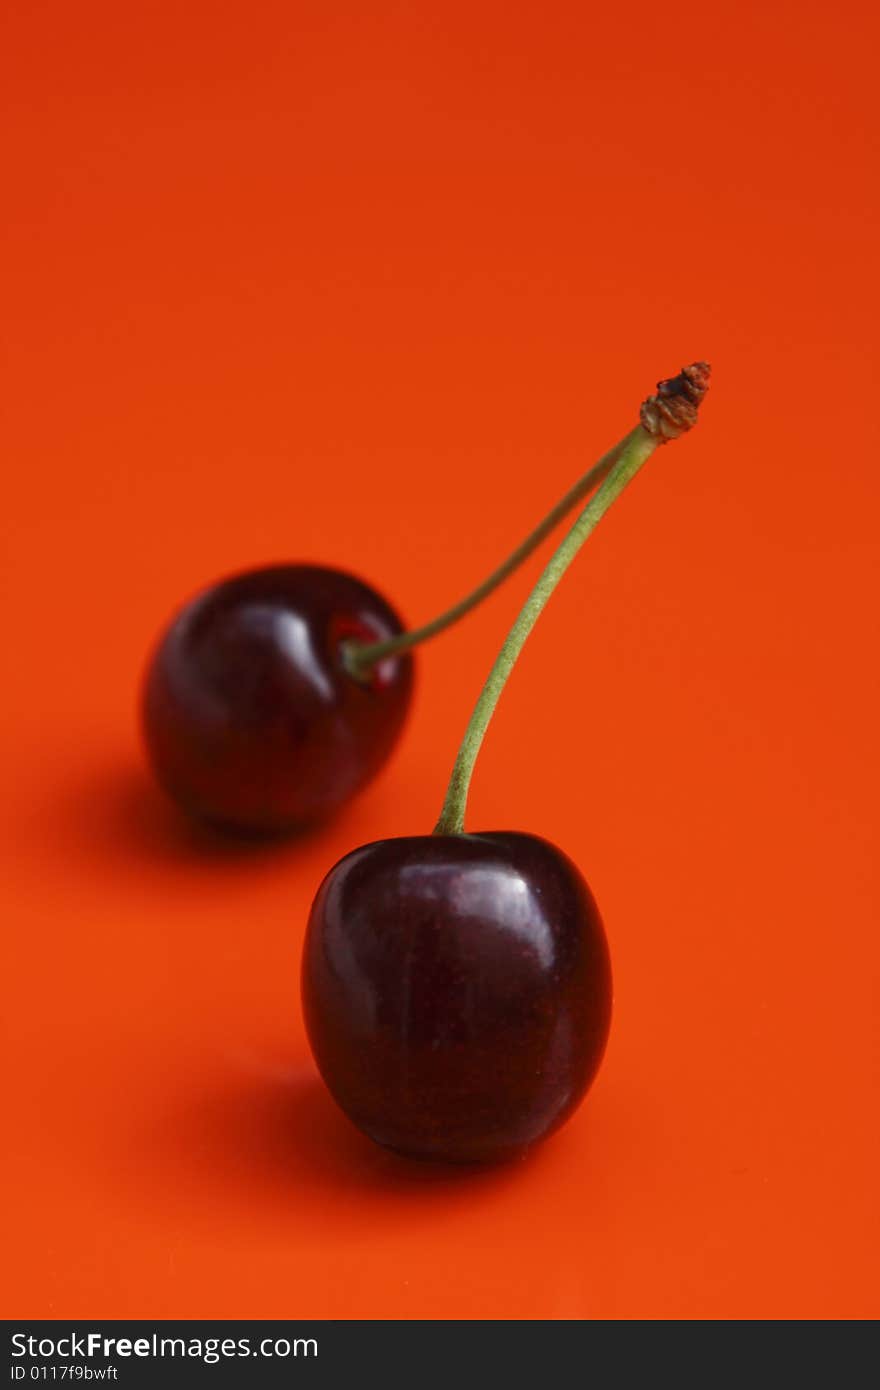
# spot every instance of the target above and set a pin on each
(457, 992)
(250, 718)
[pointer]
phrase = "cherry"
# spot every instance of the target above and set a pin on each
(250, 716)
(457, 987)
(275, 695)
(457, 992)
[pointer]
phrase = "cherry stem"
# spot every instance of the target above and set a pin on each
(630, 454)
(668, 414)
(359, 657)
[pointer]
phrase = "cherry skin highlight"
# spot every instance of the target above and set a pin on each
(457, 992)
(250, 718)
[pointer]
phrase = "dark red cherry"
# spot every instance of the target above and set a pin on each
(457, 988)
(250, 718)
(457, 992)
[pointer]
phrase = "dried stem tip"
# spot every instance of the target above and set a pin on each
(673, 411)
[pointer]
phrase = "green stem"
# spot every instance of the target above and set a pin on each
(630, 454)
(360, 656)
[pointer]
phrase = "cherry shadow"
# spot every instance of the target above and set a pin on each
(278, 1150)
(118, 809)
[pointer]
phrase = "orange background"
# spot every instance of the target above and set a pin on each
(370, 285)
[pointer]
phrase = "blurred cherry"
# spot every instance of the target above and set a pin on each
(277, 694)
(251, 717)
